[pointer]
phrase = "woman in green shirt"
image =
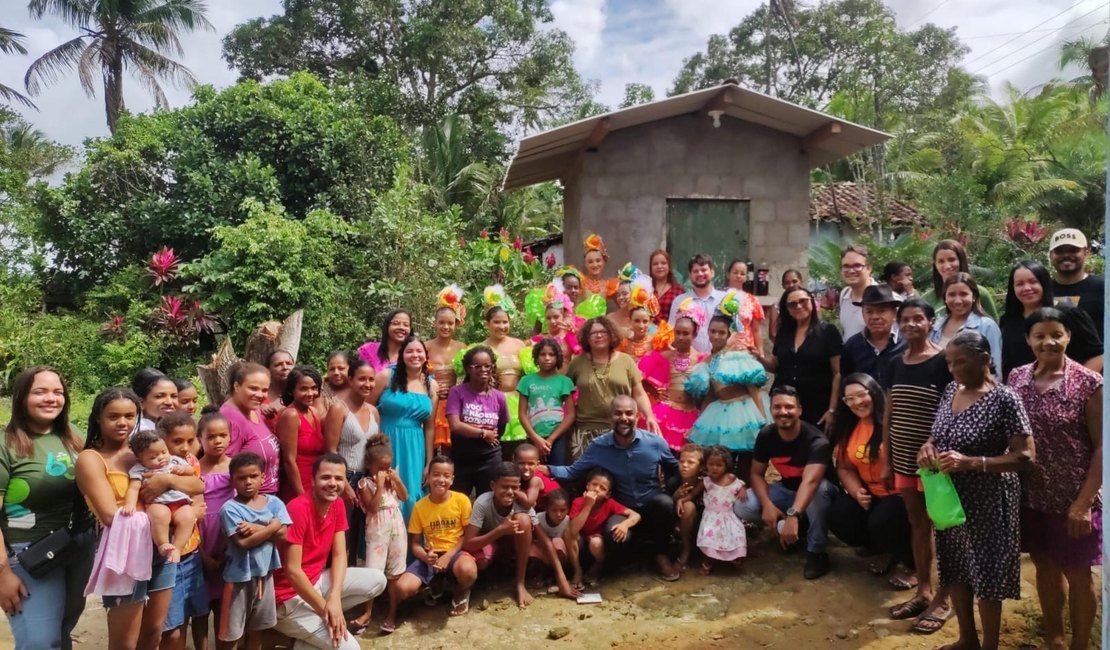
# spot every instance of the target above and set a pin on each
(39, 495)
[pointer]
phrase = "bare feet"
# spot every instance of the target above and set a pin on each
(170, 552)
(523, 598)
(1057, 643)
(569, 591)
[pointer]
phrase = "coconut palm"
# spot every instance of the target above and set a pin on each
(10, 44)
(116, 35)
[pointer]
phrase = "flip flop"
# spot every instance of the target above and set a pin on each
(387, 629)
(356, 629)
(902, 583)
(670, 578)
(909, 609)
(930, 619)
(463, 602)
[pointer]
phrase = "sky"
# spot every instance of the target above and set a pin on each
(618, 42)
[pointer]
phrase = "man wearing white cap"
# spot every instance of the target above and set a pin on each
(1072, 285)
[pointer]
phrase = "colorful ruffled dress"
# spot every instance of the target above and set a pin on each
(674, 410)
(732, 423)
(512, 365)
(721, 534)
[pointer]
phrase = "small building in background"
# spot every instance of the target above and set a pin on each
(843, 211)
(723, 171)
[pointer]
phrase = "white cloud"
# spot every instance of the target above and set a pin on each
(584, 21)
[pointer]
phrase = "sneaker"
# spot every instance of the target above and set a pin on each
(817, 565)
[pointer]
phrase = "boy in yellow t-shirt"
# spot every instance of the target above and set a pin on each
(436, 530)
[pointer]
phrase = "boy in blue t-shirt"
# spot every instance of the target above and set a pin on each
(252, 522)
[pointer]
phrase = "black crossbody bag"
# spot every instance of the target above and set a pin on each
(51, 552)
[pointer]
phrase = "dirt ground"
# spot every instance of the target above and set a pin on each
(767, 605)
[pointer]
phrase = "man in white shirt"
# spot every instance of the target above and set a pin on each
(855, 270)
(704, 295)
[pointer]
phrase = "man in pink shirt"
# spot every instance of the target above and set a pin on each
(309, 606)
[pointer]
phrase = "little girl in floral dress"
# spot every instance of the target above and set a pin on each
(721, 535)
(382, 492)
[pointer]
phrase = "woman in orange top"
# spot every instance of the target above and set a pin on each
(868, 513)
(594, 258)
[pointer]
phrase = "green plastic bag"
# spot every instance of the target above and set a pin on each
(941, 499)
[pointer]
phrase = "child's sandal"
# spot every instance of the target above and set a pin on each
(462, 606)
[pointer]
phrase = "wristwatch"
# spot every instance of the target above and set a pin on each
(791, 512)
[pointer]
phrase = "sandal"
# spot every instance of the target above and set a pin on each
(882, 568)
(460, 607)
(909, 609)
(387, 628)
(930, 623)
(356, 629)
(902, 583)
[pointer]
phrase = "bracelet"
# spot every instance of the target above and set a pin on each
(984, 458)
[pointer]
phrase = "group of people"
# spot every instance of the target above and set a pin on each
(638, 420)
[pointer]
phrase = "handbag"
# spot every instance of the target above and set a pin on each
(49, 553)
(941, 499)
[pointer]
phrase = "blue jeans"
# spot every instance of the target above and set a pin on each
(54, 603)
(558, 455)
(816, 513)
(190, 595)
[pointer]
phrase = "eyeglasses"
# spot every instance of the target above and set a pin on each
(856, 398)
(797, 304)
(852, 267)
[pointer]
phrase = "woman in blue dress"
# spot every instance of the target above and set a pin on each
(406, 398)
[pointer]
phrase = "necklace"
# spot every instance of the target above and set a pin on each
(592, 285)
(681, 364)
(639, 348)
(602, 378)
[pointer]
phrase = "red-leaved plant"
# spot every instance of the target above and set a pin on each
(163, 266)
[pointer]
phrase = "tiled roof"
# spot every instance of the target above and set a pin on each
(847, 201)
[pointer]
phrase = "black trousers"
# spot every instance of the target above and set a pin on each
(884, 527)
(653, 533)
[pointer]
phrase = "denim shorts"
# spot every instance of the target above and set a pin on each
(163, 575)
(190, 593)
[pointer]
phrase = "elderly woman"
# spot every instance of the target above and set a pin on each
(981, 437)
(1061, 516)
(601, 373)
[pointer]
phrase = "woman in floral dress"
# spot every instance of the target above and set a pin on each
(981, 436)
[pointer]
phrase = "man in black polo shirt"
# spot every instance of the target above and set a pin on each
(871, 350)
(802, 456)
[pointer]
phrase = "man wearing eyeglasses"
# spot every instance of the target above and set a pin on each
(802, 456)
(855, 270)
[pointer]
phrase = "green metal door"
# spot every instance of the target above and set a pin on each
(714, 227)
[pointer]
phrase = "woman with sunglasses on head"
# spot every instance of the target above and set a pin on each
(806, 355)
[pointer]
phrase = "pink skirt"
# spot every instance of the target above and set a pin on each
(674, 423)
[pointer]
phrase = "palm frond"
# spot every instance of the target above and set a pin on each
(10, 42)
(50, 67)
(75, 13)
(157, 64)
(176, 15)
(12, 95)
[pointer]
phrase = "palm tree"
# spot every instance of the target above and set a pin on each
(118, 34)
(10, 44)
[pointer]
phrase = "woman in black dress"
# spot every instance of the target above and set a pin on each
(806, 355)
(981, 437)
(1029, 289)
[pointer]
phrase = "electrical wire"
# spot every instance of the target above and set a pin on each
(1020, 34)
(1040, 51)
(927, 14)
(1041, 38)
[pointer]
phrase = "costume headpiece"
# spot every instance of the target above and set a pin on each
(628, 272)
(642, 296)
(450, 297)
(594, 243)
(495, 296)
(553, 296)
(692, 310)
(569, 269)
(730, 309)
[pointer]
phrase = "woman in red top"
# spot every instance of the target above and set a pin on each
(300, 431)
(666, 286)
(868, 513)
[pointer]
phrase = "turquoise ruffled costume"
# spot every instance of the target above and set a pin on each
(731, 423)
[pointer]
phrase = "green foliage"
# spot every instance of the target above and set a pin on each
(637, 93)
(169, 178)
(269, 266)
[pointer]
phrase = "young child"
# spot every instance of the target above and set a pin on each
(436, 529)
(721, 535)
(381, 493)
(252, 522)
(587, 520)
(186, 396)
(690, 461)
(534, 486)
(214, 432)
(171, 506)
(549, 541)
(547, 410)
(501, 526)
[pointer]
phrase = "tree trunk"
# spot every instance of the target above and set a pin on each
(113, 90)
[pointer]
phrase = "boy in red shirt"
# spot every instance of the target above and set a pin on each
(589, 514)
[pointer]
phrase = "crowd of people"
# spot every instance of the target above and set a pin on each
(640, 421)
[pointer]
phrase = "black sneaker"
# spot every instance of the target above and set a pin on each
(817, 565)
